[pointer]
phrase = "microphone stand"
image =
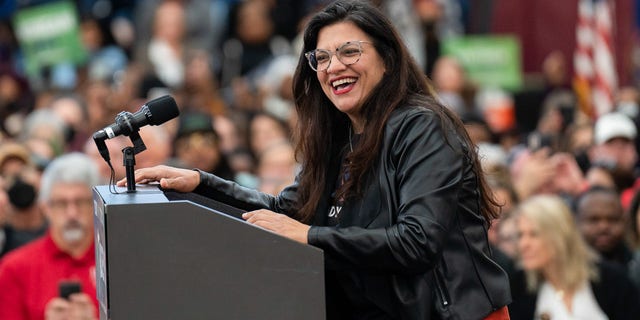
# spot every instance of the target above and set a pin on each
(129, 159)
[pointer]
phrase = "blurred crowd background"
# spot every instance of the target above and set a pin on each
(229, 63)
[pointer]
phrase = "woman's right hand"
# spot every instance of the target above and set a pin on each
(182, 180)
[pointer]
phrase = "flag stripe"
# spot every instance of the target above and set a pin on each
(594, 62)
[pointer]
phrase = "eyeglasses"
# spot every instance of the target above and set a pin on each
(348, 53)
(63, 204)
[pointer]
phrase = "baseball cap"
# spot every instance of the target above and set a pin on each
(614, 125)
(192, 122)
(13, 150)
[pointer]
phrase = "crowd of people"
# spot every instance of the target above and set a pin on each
(564, 187)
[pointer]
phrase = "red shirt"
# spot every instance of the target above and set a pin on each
(29, 278)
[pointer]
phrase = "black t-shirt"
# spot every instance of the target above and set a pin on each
(333, 218)
(335, 210)
(14, 239)
(344, 291)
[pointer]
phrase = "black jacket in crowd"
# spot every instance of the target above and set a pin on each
(415, 245)
(615, 293)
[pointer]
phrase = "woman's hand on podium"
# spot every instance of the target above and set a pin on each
(278, 223)
(178, 179)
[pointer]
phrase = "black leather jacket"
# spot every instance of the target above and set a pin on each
(415, 243)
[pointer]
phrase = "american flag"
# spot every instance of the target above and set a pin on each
(595, 78)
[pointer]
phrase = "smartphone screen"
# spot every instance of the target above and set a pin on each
(537, 141)
(67, 288)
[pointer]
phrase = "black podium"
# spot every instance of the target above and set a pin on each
(169, 256)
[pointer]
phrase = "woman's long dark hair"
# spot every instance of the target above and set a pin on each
(322, 129)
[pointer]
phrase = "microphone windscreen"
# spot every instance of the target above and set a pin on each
(162, 109)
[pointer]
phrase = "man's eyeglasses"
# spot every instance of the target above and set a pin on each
(63, 204)
(348, 53)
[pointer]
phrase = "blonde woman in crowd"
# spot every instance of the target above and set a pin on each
(561, 278)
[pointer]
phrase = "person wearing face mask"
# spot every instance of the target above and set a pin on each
(31, 275)
(22, 219)
(25, 221)
(390, 187)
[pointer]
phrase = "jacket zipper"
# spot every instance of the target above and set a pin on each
(445, 301)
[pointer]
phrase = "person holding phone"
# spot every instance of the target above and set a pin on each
(53, 277)
(544, 168)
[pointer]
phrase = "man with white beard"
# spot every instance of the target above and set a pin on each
(31, 276)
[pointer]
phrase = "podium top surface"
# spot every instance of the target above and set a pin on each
(151, 193)
(147, 193)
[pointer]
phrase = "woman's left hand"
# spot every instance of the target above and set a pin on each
(278, 223)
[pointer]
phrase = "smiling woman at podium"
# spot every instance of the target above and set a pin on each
(390, 188)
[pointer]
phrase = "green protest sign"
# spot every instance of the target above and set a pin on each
(492, 61)
(48, 35)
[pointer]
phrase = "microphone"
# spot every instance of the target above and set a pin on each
(154, 112)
